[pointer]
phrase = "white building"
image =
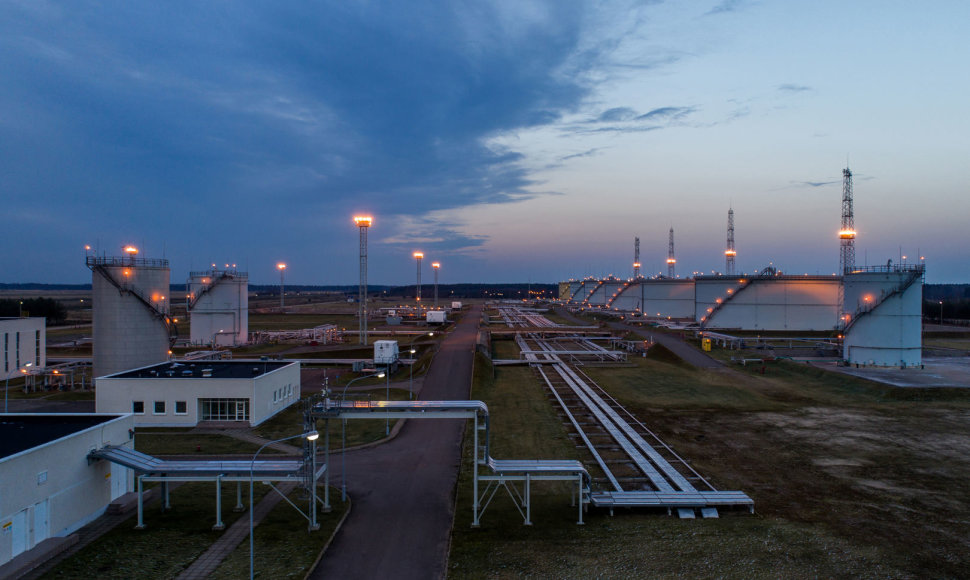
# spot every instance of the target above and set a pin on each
(218, 306)
(24, 341)
(180, 393)
(48, 487)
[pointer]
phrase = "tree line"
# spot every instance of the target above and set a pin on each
(49, 308)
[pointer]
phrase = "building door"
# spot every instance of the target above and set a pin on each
(119, 481)
(241, 414)
(42, 525)
(19, 531)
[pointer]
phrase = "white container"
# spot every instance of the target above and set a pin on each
(436, 317)
(456, 305)
(385, 352)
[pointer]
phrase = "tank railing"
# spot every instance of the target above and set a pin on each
(718, 305)
(915, 274)
(890, 268)
(191, 301)
(217, 272)
(170, 326)
(122, 261)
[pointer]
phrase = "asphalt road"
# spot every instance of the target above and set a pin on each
(403, 492)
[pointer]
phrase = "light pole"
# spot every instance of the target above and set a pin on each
(435, 266)
(282, 268)
(941, 313)
(418, 256)
(309, 436)
(343, 437)
(412, 351)
(363, 222)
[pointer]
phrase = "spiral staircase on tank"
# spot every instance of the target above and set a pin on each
(98, 266)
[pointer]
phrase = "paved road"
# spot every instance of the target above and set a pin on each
(403, 491)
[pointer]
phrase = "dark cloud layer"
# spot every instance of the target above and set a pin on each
(251, 111)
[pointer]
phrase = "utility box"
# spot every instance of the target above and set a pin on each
(706, 344)
(456, 305)
(436, 317)
(385, 352)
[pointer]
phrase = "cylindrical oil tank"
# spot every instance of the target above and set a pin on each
(130, 312)
(883, 316)
(218, 305)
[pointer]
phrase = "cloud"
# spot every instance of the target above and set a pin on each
(792, 88)
(628, 120)
(587, 153)
(726, 6)
(666, 113)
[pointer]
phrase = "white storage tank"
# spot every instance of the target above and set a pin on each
(218, 305)
(883, 309)
(130, 311)
(385, 352)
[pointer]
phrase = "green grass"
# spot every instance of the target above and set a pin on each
(155, 443)
(171, 542)
(283, 547)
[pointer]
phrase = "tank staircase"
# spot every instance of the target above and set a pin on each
(593, 291)
(742, 284)
(191, 300)
(866, 309)
(170, 327)
(609, 303)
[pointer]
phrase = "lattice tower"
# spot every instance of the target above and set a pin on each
(636, 257)
(847, 233)
(671, 261)
(730, 253)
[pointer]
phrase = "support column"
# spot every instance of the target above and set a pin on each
(141, 505)
(239, 504)
(326, 473)
(475, 523)
(528, 499)
(314, 526)
(219, 525)
(166, 504)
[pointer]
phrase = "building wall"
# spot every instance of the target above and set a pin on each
(221, 314)
(22, 340)
(886, 327)
(268, 394)
(127, 335)
(56, 478)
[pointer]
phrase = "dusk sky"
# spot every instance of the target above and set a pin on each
(510, 140)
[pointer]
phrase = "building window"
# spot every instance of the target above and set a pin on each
(181, 408)
(224, 409)
(37, 347)
(138, 407)
(159, 408)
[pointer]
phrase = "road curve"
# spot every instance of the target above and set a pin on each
(403, 491)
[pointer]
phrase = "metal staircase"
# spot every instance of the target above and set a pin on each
(862, 311)
(99, 267)
(742, 284)
(191, 300)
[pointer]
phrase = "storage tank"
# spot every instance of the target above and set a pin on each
(130, 310)
(218, 305)
(883, 309)
(768, 302)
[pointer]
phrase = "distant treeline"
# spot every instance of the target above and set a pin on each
(53, 310)
(939, 292)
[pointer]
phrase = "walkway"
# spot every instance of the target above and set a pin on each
(403, 491)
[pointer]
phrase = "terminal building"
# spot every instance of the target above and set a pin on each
(50, 489)
(185, 393)
(24, 345)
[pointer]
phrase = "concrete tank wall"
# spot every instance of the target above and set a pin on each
(219, 307)
(604, 292)
(884, 324)
(772, 303)
(658, 298)
(127, 332)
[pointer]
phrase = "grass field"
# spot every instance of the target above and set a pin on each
(849, 478)
(160, 442)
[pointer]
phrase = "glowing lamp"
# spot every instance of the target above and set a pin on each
(419, 254)
(131, 250)
(281, 266)
(671, 261)
(730, 253)
(847, 234)
(363, 221)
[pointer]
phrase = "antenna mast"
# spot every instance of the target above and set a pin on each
(730, 253)
(671, 261)
(636, 257)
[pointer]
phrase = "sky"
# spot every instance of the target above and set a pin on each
(511, 141)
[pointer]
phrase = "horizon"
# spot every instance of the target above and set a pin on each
(506, 140)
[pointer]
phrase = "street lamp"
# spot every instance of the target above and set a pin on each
(435, 266)
(343, 437)
(941, 313)
(309, 436)
(282, 268)
(418, 256)
(412, 351)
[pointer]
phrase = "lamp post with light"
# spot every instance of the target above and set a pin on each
(418, 256)
(412, 351)
(309, 436)
(343, 437)
(282, 268)
(941, 313)
(435, 266)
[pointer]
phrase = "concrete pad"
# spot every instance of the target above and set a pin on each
(936, 372)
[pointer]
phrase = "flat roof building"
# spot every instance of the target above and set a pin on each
(181, 393)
